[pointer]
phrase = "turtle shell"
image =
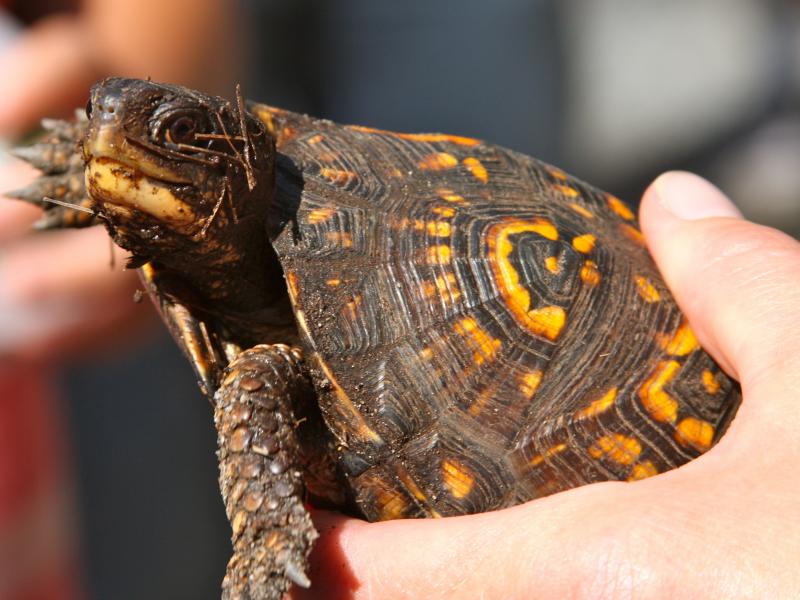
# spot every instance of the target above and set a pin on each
(482, 328)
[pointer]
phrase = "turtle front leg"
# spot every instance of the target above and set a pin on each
(260, 473)
(60, 189)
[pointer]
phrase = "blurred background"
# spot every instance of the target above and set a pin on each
(107, 470)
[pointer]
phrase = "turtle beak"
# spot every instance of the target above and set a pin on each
(120, 176)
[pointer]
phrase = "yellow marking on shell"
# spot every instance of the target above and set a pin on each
(590, 275)
(341, 238)
(556, 173)
(710, 382)
(477, 169)
(695, 433)
(438, 228)
(438, 161)
(362, 429)
(394, 173)
(439, 137)
(444, 211)
(682, 342)
(566, 190)
(483, 345)
(632, 233)
(313, 141)
(439, 254)
(411, 485)
(584, 243)
(426, 353)
(391, 505)
(265, 115)
(598, 406)
(647, 290)
(333, 282)
(485, 396)
(661, 406)
(320, 215)
(551, 263)
(581, 210)
(642, 470)
(338, 176)
(421, 137)
(450, 196)
(429, 289)
(287, 133)
(352, 306)
(547, 321)
(326, 156)
(619, 448)
(447, 286)
(551, 451)
(457, 478)
(419, 224)
(619, 208)
(529, 382)
(291, 285)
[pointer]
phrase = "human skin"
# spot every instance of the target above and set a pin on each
(723, 526)
(48, 72)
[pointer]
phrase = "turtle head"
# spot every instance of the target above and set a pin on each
(177, 175)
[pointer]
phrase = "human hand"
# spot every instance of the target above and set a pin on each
(723, 526)
(58, 292)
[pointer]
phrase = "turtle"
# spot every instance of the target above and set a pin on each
(395, 325)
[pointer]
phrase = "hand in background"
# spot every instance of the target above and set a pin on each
(57, 291)
(722, 526)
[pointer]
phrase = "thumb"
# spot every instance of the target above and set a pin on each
(737, 282)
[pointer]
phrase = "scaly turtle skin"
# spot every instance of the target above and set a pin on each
(478, 328)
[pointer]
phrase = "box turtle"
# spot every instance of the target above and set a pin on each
(398, 325)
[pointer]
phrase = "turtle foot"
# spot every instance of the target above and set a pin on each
(260, 476)
(60, 189)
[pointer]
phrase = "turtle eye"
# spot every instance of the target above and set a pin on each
(181, 127)
(181, 130)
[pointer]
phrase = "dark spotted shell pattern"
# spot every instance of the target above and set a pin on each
(483, 328)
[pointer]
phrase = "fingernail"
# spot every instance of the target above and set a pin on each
(690, 197)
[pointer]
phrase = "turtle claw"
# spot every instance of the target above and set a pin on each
(51, 156)
(297, 575)
(60, 190)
